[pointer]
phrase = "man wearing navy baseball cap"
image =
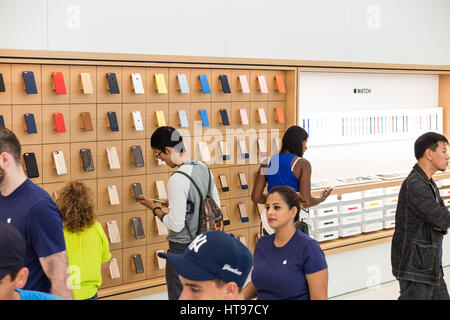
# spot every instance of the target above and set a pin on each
(13, 274)
(215, 266)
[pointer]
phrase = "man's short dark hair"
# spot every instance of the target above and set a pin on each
(426, 141)
(167, 137)
(10, 144)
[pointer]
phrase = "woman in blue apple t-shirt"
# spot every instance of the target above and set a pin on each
(288, 265)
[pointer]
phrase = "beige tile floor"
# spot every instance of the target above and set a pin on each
(385, 291)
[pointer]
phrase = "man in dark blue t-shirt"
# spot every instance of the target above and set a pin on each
(32, 211)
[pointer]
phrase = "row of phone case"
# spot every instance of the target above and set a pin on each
(140, 262)
(138, 229)
(59, 85)
(113, 123)
(87, 160)
(138, 157)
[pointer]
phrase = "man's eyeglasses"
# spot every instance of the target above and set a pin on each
(158, 155)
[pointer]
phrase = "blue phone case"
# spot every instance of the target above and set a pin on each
(2, 121)
(204, 116)
(183, 118)
(30, 82)
(2, 83)
(224, 115)
(204, 84)
(182, 80)
(113, 123)
(225, 85)
(30, 122)
(113, 84)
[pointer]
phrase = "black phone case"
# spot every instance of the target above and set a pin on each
(138, 228)
(224, 189)
(138, 157)
(138, 265)
(30, 82)
(113, 123)
(30, 122)
(2, 83)
(86, 157)
(31, 165)
(243, 186)
(113, 84)
(224, 116)
(2, 121)
(225, 84)
(137, 189)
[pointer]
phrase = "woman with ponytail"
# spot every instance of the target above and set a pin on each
(287, 265)
(288, 168)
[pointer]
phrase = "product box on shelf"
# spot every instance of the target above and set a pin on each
(350, 208)
(444, 192)
(327, 211)
(326, 223)
(372, 204)
(350, 219)
(372, 226)
(390, 201)
(389, 224)
(350, 231)
(326, 235)
(392, 190)
(390, 212)
(372, 215)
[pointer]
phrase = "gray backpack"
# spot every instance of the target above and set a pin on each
(210, 215)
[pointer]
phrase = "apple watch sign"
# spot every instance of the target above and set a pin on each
(362, 91)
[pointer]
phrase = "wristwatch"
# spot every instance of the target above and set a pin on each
(153, 210)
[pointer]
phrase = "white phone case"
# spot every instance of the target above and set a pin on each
(137, 83)
(113, 231)
(137, 118)
(161, 261)
(113, 195)
(114, 269)
(204, 151)
(162, 229)
(161, 189)
(60, 163)
(113, 158)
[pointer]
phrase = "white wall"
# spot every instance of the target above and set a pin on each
(390, 31)
(331, 92)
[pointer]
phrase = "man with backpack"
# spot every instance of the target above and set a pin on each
(193, 199)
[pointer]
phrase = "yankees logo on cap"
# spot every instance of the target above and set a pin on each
(213, 255)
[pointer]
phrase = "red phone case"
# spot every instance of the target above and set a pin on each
(59, 121)
(58, 79)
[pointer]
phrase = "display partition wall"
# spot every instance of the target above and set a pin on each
(90, 116)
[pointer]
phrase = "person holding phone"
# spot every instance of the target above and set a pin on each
(288, 168)
(183, 197)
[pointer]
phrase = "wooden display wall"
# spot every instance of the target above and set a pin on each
(15, 103)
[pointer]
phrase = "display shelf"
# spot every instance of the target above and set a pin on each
(15, 102)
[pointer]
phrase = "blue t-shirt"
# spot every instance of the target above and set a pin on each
(36, 295)
(279, 273)
(279, 172)
(32, 211)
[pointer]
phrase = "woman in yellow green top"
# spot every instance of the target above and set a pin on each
(86, 243)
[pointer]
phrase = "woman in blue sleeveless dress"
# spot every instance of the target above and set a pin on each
(288, 168)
